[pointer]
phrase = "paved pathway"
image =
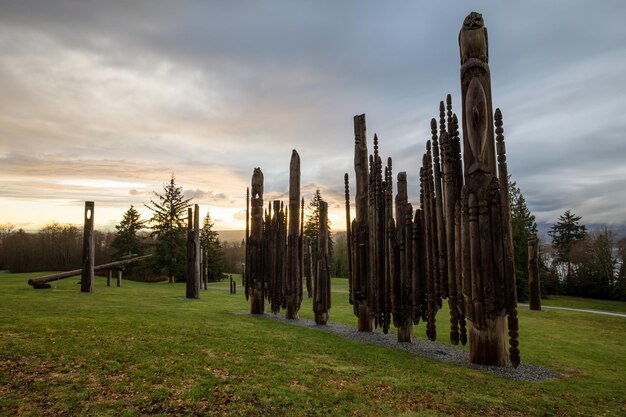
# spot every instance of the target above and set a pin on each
(606, 313)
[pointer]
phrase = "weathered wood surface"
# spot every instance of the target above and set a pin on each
(255, 251)
(361, 278)
(293, 278)
(87, 271)
(488, 284)
(321, 284)
(36, 282)
(192, 279)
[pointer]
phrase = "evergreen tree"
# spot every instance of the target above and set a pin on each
(168, 224)
(126, 241)
(523, 226)
(565, 233)
(312, 227)
(211, 249)
(594, 275)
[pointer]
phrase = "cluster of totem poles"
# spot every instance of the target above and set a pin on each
(458, 244)
(404, 262)
(274, 251)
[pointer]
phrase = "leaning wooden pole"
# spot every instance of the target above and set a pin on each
(86, 279)
(321, 285)
(42, 282)
(293, 280)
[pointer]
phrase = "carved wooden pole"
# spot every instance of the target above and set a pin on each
(348, 233)
(321, 286)
(86, 279)
(429, 244)
(293, 280)
(534, 287)
(192, 279)
(255, 276)
(308, 259)
(119, 277)
(109, 277)
(442, 272)
(360, 258)
(488, 268)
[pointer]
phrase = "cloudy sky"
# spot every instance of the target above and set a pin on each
(104, 100)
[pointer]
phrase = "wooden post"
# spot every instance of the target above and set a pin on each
(534, 286)
(293, 279)
(119, 277)
(86, 279)
(192, 283)
(360, 232)
(255, 252)
(321, 285)
(109, 276)
(488, 266)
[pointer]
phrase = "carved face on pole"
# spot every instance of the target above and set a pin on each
(257, 183)
(473, 20)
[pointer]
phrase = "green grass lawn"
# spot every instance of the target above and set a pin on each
(143, 349)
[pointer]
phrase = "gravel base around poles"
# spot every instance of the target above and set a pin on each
(434, 350)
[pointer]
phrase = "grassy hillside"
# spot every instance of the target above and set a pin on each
(143, 349)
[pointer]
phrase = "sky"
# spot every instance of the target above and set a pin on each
(104, 101)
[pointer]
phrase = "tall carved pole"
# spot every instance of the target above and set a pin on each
(321, 286)
(348, 232)
(293, 293)
(488, 268)
(86, 279)
(534, 287)
(255, 276)
(360, 244)
(192, 280)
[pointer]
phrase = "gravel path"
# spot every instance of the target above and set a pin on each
(434, 350)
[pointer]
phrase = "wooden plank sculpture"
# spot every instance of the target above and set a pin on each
(321, 285)
(192, 279)
(274, 262)
(534, 285)
(86, 278)
(255, 251)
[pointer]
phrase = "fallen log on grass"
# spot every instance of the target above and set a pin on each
(40, 282)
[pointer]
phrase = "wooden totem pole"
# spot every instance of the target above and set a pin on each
(488, 274)
(321, 285)
(400, 257)
(359, 240)
(86, 278)
(193, 253)
(293, 281)
(534, 285)
(254, 269)
(308, 260)
(275, 240)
